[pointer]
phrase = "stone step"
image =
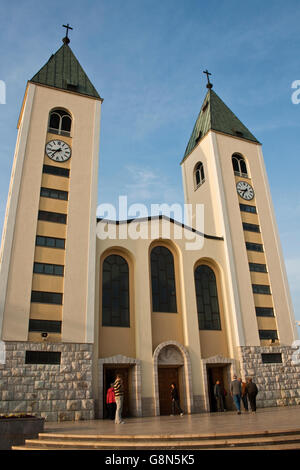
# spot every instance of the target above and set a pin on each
(87, 444)
(294, 446)
(167, 437)
(273, 447)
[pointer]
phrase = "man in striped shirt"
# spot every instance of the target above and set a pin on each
(119, 397)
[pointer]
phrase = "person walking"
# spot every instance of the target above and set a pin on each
(224, 394)
(119, 397)
(175, 400)
(252, 391)
(236, 390)
(244, 394)
(111, 402)
(218, 393)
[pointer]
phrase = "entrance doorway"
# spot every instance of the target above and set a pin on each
(166, 376)
(214, 373)
(109, 375)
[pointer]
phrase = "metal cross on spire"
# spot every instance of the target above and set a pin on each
(66, 39)
(207, 73)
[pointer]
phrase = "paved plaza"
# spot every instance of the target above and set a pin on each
(265, 419)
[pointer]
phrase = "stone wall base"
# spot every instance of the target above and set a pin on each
(199, 404)
(278, 383)
(57, 392)
(148, 408)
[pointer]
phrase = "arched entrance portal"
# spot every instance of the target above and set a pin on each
(171, 363)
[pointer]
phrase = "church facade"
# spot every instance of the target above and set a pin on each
(78, 306)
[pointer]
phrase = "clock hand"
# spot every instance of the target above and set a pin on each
(57, 150)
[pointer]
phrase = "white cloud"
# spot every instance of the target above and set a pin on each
(147, 186)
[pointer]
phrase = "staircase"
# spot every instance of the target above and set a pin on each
(257, 440)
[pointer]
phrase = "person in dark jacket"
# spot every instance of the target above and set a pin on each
(175, 400)
(218, 393)
(236, 392)
(244, 395)
(252, 392)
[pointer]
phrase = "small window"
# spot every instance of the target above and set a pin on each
(239, 133)
(261, 289)
(60, 122)
(52, 217)
(42, 357)
(251, 227)
(50, 242)
(54, 194)
(205, 106)
(72, 87)
(46, 297)
(199, 176)
(271, 358)
(264, 311)
(239, 165)
(47, 326)
(254, 246)
(248, 208)
(199, 137)
(56, 170)
(50, 269)
(268, 334)
(258, 268)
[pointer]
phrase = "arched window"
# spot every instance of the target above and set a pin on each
(163, 280)
(239, 165)
(207, 298)
(115, 292)
(60, 122)
(199, 176)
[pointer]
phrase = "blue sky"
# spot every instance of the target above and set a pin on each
(146, 59)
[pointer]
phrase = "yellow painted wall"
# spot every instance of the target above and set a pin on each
(45, 311)
(54, 181)
(49, 255)
(81, 208)
(153, 328)
(43, 282)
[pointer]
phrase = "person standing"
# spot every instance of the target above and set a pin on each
(236, 390)
(252, 391)
(218, 392)
(119, 397)
(244, 394)
(111, 402)
(175, 400)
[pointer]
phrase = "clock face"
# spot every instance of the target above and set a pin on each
(58, 150)
(245, 190)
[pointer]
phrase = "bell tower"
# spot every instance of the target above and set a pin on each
(223, 168)
(48, 250)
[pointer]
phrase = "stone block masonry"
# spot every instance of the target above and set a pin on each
(56, 392)
(278, 383)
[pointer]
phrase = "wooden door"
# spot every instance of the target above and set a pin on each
(166, 376)
(109, 377)
(214, 374)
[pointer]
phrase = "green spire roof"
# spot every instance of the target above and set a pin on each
(63, 71)
(215, 115)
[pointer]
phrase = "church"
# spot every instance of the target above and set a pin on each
(78, 306)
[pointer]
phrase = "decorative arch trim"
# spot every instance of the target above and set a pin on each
(187, 375)
(220, 360)
(135, 381)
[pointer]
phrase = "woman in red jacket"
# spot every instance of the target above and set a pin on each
(111, 402)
